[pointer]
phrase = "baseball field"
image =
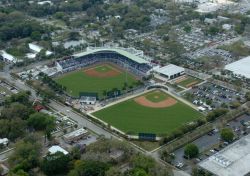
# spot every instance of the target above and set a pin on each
(154, 112)
(95, 79)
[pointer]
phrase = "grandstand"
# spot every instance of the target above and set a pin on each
(129, 59)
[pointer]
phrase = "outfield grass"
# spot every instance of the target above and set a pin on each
(188, 81)
(133, 118)
(78, 81)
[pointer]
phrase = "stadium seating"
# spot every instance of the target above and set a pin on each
(74, 63)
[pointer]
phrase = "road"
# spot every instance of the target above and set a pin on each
(80, 120)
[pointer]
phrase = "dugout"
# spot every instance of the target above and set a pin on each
(88, 98)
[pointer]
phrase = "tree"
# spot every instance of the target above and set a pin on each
(1, 169)
(139, 172)
(89, 168)
(26, 154)
(16, 110)
(143, 162)
(187, 28)
(113, 171)
(191, 151)
(74, 36)
(55, 164)
(41, 121)
(247, 96)
(36, 35)
(21, 97)
(12, 128)
(227, 135)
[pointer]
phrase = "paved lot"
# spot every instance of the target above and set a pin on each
(213, 95)
(207, 142)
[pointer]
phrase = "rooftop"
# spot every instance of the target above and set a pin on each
(240, 67)
(231, 161)
(57, 148)
(170, 69)
(7, 56)
(76, 133)
(122, 51)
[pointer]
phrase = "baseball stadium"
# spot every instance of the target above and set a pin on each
(100, 70)
(155, 111)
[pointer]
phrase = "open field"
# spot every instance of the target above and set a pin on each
(132, 117)
(188, 81)
(96, 79)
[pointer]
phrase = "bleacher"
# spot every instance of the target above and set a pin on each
(73, 63)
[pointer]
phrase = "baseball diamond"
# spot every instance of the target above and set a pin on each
(153, 112)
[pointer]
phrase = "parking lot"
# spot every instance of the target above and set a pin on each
(211, 96)
(210, 143)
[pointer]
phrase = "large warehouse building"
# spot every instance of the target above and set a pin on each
(240, 67)
(231, 161)
(170, 71)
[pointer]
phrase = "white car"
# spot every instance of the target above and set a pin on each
(212, 151)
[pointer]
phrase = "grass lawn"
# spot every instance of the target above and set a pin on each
(188, 82)
(133, 118)
(78, 81)
(147, 145)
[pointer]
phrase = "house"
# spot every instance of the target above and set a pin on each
(57, 148)
(4, 141)
(37, 49)
(8, 57)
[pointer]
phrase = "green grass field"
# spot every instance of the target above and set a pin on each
(78, 81)
(185, 83)
(132, 118)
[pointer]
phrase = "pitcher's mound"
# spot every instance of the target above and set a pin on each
(142, 100)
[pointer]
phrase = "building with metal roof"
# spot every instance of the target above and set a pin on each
(8, 57)
(170, 71)
(231, 161)
(57, 148)
(240, 67)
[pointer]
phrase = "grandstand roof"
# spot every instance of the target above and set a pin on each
(117, 50)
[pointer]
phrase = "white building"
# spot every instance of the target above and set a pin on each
(170, 71)
(57, 148)
(36, 49)
(45, 2)
(240, 67)
(231, 161)
(227, 27)
(8, 57)
(4, 141)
